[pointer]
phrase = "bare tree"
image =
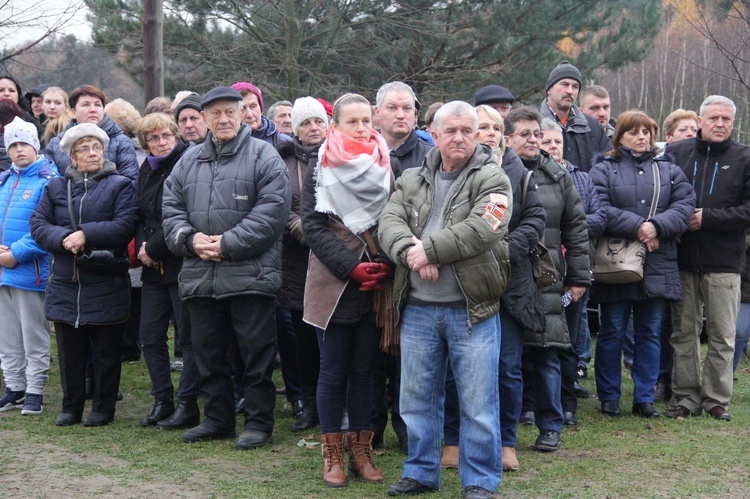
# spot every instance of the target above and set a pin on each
(30, 23)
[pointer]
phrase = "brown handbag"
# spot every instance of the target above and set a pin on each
(542, 265)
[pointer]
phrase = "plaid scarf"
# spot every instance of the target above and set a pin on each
(353, 179)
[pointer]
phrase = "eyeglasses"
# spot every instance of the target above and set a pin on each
(526, 135)
(155, 139)
(87, 149)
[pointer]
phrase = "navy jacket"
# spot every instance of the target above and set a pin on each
(411, 153)
(104, 204)
(584, 137)
(720, 175)
(626, 187)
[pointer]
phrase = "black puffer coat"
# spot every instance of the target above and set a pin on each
(105, 205)
(626, 187)
(295, 254)
(241, 192)
(566, 225)
(522, 300)
(149, 229)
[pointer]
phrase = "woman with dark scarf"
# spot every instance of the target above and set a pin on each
(159, 135)
(343, 195)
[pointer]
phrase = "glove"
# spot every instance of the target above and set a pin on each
(372, 286)
(365, 272)
(387, 269)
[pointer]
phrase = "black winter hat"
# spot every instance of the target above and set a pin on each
(220, 93)
(192, 101)
(493, 93)
(563, 70)
(35, 92)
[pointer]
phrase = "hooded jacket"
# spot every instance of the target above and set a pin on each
(20, 190)
(584, 137)
(120, 150)
(565, 225)
(105, 205)
(720, 174)
(477, 251)
(269, 133)
(626, 186)
(241, 192)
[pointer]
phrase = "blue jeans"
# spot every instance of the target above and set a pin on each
(511, 380)
(647, 317)
(547, 382)
(743, 333)
(582, 346)
(430, 335)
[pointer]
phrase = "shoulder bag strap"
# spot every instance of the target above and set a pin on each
(657, 188)
(70, 208)
(525, 188)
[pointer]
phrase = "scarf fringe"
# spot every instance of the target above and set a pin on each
(385, 318)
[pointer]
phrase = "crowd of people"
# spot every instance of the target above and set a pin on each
(440, 275)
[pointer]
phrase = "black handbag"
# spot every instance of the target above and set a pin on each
(542, 265)
(107, 261)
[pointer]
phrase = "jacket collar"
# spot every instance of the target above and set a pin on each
(433, 161)
(702, 146)
(576, 123)
(208, 149)
(408, 146)
(76, 176)
(545, 163)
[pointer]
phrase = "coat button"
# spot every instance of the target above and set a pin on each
(640, 172)
(643, 201)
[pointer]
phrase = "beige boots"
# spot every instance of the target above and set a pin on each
(360, 458)
(510, 461)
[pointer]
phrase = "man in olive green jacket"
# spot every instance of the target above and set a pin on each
(445, 227)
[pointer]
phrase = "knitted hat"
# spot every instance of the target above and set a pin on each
(327, 106)
(219, 93)
(493, 93)
(19, 130)
(192, 101)
(35, 92)
(563, 70)
(78, 132)
(304, 108)
(249, 87)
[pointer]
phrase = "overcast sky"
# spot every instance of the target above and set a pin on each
(23, 20)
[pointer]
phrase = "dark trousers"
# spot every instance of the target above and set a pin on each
(252, 318)
(285, 336)
(307, 352)
(73, 346)
(452, 407)
(387, 385)
(546, 380)
(347, 355)
(159, 303)
(131, 348)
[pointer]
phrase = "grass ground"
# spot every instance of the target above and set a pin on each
(629, 457)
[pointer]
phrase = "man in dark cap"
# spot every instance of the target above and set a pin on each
(189, 119)
(497, 97)
(225, 207)
(584, 137)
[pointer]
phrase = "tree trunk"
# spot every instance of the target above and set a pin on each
(153, 44)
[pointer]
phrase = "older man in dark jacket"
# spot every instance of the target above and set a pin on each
(710, 256)
(225, 208)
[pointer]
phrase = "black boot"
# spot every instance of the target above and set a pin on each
(186, 415)
(162, 410)
(309, 416)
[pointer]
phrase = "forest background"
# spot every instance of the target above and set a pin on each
(654, 55)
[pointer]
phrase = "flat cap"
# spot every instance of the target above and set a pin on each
(220, 93)
(493, 93)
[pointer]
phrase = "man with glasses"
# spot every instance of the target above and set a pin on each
(584, 136)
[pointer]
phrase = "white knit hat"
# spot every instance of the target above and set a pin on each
(306, 107)
(19, 130)
(78, 132)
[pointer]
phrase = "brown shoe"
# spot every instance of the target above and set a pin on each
(510, 461)
(360, 457)
(333, 459)
(450, 457)
(679, 411)
(718, 412)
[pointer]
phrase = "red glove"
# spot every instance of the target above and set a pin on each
(365, 271)
(376, 283)
(371, 286)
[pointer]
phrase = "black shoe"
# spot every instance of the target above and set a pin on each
(645, 410)
(663, 389)
(408, 487)
(527, 418)
(98, 419)
(162, 410)
(186, 415)
(67, 419)
(297, 407)
(308, 418)
(239, 406)
(569, 419)
(611, 408)
(679, 411)
(474, 492)
(252, 439)
(547, 441)
(207, 431)
(120, 395)
(580, 391)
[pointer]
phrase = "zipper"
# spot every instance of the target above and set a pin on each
(466, 298)
(38, 269)
(80, 219)
(7, 209)
(703, 176)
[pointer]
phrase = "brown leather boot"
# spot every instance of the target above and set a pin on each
(332, 445)
(360, 457)
(450, 457)
(510, 461)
